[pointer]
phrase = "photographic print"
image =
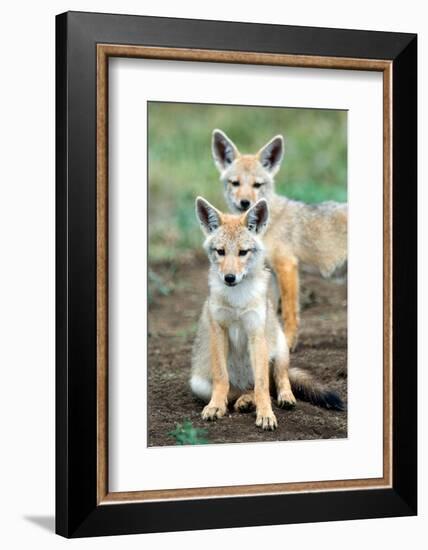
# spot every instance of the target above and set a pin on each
(233, 240)
(247, 278)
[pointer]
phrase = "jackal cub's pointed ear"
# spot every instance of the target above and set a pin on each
(271, 155)
(223, 149)
(208, 216)
(257, 217)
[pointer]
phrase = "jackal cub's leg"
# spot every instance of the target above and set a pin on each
(245, 403)
(265, 418)
(217, 406)
(285, 396)
(287, 272)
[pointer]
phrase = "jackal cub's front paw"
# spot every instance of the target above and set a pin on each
(213, 411)
(286, 399)
(266, 420)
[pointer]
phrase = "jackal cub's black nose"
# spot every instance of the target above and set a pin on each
(230, 278)
(245, 204)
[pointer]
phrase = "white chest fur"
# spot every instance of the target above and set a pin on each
(240, 323)
(238, 361)
(241, 311)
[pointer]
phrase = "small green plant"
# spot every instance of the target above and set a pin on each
(187, 434)
(157, 286)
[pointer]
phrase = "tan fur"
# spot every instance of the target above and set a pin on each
(239, 339)
(287, 271)
(313, 234)
(218, 350)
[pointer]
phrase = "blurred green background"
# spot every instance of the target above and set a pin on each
(181, 167)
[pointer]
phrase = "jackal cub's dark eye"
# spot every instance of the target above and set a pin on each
(243, 252)
(235, 183)
(220, 251)
(257, 185)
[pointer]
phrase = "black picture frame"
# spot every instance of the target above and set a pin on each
(77, 512)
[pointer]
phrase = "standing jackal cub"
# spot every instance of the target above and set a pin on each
(313, 234)
(240, 351)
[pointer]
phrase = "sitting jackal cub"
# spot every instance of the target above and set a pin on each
(240, 347)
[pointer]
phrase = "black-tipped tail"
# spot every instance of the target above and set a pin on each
(307, 389)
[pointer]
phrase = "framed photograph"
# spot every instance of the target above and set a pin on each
(236, 274)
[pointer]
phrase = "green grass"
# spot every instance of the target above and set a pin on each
(157, 286)
(180, 164)
(187, 434)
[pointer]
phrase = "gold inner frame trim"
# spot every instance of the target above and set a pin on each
(104, 51)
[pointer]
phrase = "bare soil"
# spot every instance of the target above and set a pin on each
(173, 316)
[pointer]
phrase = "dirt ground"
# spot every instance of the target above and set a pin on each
(173, 316)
